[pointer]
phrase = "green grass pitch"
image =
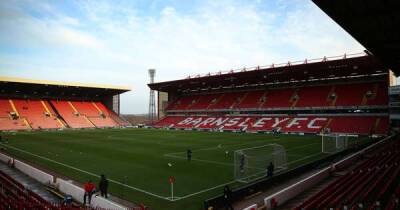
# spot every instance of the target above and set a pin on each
(139, 159)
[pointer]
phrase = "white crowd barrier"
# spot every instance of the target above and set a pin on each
(70, 189)
(77, 193)
(252, 207)
(35, 173)
(4, 158)
(107, 204)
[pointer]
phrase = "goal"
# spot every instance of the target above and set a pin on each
(332, 143)
(251, 163)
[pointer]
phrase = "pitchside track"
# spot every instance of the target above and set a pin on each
(137, 160)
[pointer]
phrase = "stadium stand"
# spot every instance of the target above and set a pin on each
(308, 96)
(9, 117)
(108, 113)
(379, 94)
(364, 125)
(37, 113)
(71, 115)
(351, 95)
(251, 100)
(236, 101)
(279, 98)
(53, 105)
(373, 184)
(14, 195)
(93, 113)
(314, 96)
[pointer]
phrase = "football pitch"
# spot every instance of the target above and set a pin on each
(139, 162)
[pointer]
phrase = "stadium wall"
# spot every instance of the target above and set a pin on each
(36, 174)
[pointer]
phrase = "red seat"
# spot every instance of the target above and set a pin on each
(351, 94)
(278, 98)
(71, 117)
(251, 100)
(313, 96)
(34, 111)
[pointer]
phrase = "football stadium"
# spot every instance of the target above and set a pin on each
(319, 133)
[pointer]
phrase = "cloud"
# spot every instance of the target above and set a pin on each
(117, 41)
(21, 30)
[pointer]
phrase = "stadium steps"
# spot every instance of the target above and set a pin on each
(27, 123)
(376, 125)
(118, 120)
(13, 107)
(295, 99)
(275, 187)
(59, 116)
(90, 122)
(332, 102)
(365, 99)
(261, 103)
(51, 112)
(308, 193)
(72, 106)
(327, 124)
(30, 183)
(98, 109)
(237, 103)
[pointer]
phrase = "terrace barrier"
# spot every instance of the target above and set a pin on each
(35, 173)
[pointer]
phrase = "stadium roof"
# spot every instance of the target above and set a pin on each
(374, 23)
(340, 67)
(11, 86)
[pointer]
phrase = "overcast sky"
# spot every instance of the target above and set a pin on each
(115, 42)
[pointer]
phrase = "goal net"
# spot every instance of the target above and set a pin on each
(251, 163)
(333, 143)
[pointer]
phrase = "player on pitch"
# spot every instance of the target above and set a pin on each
(189, 154)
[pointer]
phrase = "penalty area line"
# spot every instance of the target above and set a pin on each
(87, 172)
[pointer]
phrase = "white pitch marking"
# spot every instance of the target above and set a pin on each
(168, 155)
(231, 182)
(86, 172)
(200, 160)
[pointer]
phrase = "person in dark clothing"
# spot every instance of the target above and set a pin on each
(189, 154)
(228, 198)
(270, 169)
(103, 186)
(242, 162)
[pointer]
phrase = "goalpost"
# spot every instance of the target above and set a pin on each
(251, 163)
(332, 143)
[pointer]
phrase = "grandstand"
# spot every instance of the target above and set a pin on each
(344, 95)
(36, 105)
